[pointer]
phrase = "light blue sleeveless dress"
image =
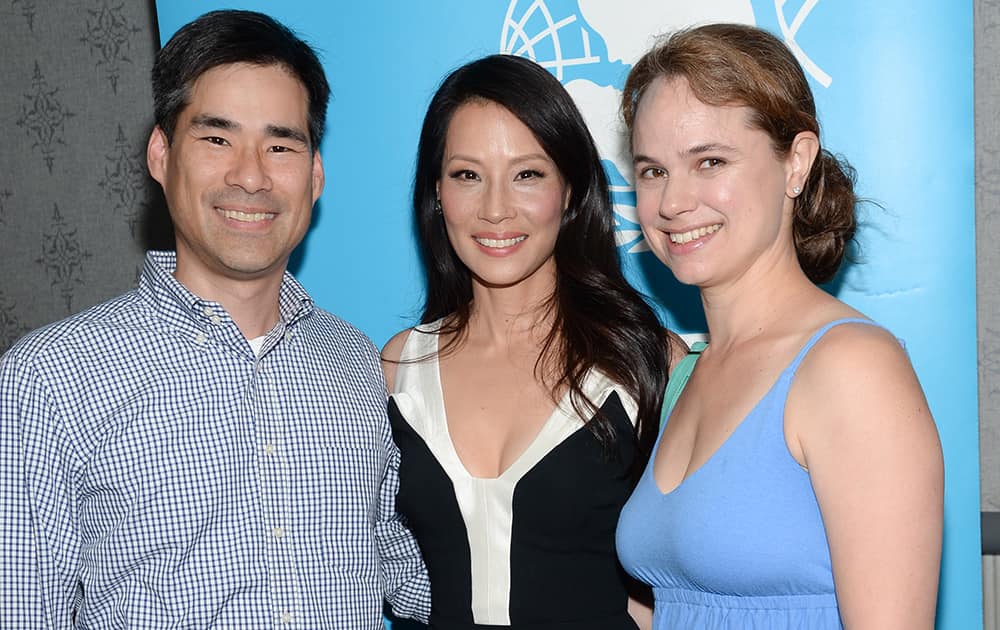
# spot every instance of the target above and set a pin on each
(740, 544)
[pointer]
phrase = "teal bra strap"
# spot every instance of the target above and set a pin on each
(679, 378)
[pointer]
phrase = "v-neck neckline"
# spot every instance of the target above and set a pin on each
(558, 412)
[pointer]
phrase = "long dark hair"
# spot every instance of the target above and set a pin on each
(599, 320)
(736, 64)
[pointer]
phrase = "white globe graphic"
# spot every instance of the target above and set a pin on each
(589, 45)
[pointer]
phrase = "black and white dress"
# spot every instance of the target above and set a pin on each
(533, 548)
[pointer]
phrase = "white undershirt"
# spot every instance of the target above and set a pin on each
(256, 344)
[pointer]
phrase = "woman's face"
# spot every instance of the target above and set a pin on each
(502, 197)
(712, 196)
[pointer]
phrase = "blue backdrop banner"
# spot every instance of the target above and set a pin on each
(900, 111)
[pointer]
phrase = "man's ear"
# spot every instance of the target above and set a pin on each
(157, 152)
(318, 176)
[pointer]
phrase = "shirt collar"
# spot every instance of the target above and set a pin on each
(158, 285)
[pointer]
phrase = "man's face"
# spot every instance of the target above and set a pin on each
(240, 176)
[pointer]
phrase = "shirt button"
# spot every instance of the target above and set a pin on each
(207, 311)
(215, 319)
(200, 338)
(269, 449)
(286, 617)
(288, 335)
(278, 532)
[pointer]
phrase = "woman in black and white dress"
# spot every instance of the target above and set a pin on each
(529, 394)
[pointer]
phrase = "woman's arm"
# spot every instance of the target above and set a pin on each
(858, 420)
(641, 612)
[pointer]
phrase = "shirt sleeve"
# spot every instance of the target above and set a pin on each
(403, 573)
(39, 548)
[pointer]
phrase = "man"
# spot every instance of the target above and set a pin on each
(210, 449)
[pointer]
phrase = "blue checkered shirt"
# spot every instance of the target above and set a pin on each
(157, 474)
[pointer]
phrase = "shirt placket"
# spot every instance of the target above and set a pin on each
(274, 463)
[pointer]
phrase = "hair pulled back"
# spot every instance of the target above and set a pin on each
(736, 64)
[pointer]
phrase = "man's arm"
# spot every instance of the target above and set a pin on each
(40, 547)
(403, 574)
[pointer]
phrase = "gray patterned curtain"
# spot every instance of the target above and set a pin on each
(77, 207)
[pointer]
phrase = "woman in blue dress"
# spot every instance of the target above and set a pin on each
(798, 481)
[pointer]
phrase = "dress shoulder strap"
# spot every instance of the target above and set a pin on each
(421, 343)
(819, 335)
(682, 372)
(679, 378)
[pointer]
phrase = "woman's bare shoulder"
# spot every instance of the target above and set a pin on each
(391, 352)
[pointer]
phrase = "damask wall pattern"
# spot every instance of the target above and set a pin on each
(77, 208)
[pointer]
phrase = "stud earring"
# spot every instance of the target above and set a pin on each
(796, 190)
(437, 206)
